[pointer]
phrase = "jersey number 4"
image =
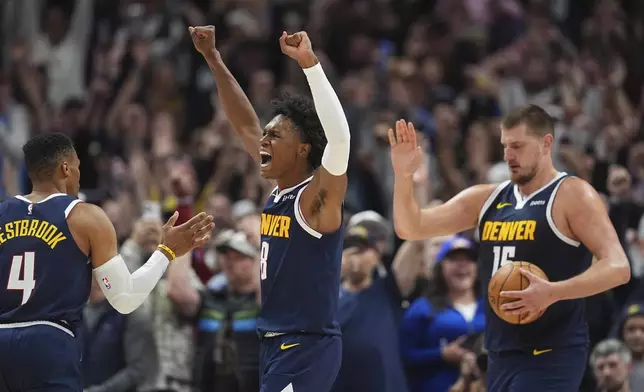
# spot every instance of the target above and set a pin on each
(263, 257)
(22, 263)
(502, 255)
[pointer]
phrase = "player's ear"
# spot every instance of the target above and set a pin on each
(304, 150)
(64, 167)
(548, 141)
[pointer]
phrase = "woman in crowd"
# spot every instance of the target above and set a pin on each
(439, 330)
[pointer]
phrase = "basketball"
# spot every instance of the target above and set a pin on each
(509, 278)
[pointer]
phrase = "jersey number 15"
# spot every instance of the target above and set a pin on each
(27, 284)
(502, 255)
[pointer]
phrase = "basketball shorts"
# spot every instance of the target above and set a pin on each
(39, 358)
(299, 362)
(556, 370)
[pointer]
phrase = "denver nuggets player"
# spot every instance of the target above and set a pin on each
(541, 216)
(307, 154)
(46, 239)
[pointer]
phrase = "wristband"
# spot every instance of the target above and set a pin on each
(168, 250)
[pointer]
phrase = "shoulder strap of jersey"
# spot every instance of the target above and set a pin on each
(71, 206)
(549, 217)
(299, 217)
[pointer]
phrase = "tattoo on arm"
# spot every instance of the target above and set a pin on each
(320, 200)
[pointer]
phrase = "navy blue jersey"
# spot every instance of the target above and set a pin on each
(300, 269)
(44, 276)
(516, 228)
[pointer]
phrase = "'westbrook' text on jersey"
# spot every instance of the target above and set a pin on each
(516, 228)
(46, 278)
(300, 269)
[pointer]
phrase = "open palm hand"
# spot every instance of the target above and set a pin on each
(405, 152)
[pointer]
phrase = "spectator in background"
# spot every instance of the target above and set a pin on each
(439, 330)
(381, 230)
(625, 215)
(227, 346)
(600, 311)
(173, 336)
(369, 308)
(60, 47)
(14, 131)
(631, 332)
(369, 312)
(473, 370)
(610, 361)
(247, 219)
(119, 351)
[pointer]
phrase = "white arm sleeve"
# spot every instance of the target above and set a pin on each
(336, 128)
(125, 291)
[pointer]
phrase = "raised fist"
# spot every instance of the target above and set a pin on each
(203, 37)
(298, 47)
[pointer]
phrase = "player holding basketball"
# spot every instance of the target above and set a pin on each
(307, 154)
(541, 216)
(46, 239)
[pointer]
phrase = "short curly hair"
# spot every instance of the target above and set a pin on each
(301, 110)
(44, 152)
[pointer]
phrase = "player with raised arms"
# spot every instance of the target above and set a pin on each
(540, 216)
(305, 149)
(46, 239)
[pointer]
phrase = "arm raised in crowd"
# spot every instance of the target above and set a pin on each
(234, 101)
(180, 290)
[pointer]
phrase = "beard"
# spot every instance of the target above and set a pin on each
(523, 178)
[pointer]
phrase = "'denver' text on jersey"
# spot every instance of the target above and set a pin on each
(299, 270)
(517, 228)
(275, 225)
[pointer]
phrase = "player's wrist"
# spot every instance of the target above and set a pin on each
(309, 61)
(212, 56)
(167, 252)
(558, 290)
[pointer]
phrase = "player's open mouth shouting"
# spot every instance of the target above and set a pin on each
(266, 158)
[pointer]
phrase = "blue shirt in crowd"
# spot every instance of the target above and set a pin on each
(424, 331)
(370, 322)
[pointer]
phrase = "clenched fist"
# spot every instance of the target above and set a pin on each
(298, 47)
(203, 37)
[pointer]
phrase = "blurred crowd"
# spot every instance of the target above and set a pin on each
(123, 80)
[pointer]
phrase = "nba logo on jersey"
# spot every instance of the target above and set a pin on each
(107, 283)
(30, 209)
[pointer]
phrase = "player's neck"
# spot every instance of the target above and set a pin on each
(543, 176)
(292, 179)
(464, 297)
(44, 190)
